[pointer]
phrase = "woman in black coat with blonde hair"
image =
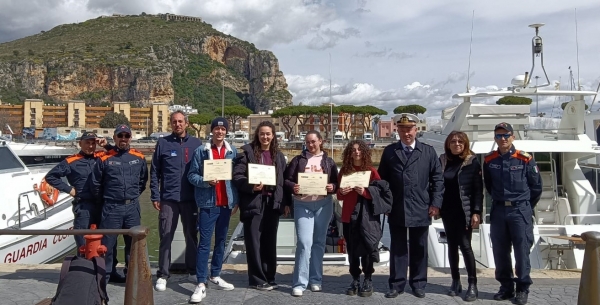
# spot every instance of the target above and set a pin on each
(461, 207)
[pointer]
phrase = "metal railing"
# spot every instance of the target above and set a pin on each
(138, 287)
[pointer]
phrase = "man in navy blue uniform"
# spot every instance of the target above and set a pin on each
(512, 178)
(119, 177)
(415, 176)
(173, 196)
(77, 169)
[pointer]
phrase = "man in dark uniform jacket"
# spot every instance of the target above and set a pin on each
(415, 176)
(512, 178)
(77, 169)
(120, 177)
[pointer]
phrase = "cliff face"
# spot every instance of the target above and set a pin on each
(201, 63)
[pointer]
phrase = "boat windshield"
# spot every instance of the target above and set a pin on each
(9, 162)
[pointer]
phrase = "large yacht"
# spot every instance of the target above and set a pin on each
(29, 204)
(566, 157)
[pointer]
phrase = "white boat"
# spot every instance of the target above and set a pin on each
(22, 168)
(286, 245)
(566, 156)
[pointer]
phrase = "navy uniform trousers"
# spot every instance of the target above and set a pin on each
(402, 254)
(507, 225)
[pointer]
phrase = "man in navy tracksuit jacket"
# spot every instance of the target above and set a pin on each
(120, 177)
(173, 195)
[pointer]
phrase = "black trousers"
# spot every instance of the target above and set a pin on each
(459, 236)
(355, 260)
(260, 238)
(168, 217)
(402, 253)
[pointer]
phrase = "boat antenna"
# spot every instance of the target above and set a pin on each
(537, 50)
(470, 49)
(577, 48)
(331, 107)
(557, 88)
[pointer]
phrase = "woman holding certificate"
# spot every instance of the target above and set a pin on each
(258, 176)
(461, 207)
(312, 178)
(356, 162)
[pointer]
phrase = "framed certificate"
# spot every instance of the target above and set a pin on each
(265, 174)
(217, 169)
(356, 179)
(312, 183)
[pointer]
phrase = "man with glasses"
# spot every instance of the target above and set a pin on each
(415, 176)
(119, 178)
(513, 180)
(173, 195)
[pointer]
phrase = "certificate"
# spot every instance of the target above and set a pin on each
(265, 174)
(312, 183)
(217, 169)
(356, 179)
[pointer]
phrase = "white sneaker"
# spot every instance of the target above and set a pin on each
(161, 284)
(297, 292)
(192, 278)
(221, 284)
(315, 288)
(199, 293)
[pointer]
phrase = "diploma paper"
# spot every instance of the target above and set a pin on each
(258, 173)
(356, 179)
(312, 183)
(217, 169)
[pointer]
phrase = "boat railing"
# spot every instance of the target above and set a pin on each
(579, 215)
(32, 207)
(138, 287)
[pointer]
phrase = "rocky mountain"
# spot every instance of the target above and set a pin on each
(141, 59)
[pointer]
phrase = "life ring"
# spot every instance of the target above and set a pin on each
(48, 193)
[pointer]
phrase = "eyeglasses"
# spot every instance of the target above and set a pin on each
(124, 135)
(499, 136)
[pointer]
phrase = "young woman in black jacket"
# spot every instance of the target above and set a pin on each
(461, 207)
(260, 206)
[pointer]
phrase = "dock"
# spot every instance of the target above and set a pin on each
(29, 284)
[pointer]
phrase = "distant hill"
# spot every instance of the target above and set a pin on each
(141, 59)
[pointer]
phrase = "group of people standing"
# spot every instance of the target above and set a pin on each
(411, 186)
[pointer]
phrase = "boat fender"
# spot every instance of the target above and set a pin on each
(48, 193)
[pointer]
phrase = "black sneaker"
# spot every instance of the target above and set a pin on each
(367, 288)
(504, 295)
(521, 298)
(274, 285)
(353, 288)
(262, 287)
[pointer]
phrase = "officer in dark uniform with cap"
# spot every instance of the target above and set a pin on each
(77, 169)
(119, 178)
(415, 176)
(512, 178)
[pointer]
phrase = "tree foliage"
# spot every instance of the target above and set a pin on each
(563, 105)
(235, 113)
(414, 109)
(112, 119)
(288, 117)
(514, 100)
(198, 120)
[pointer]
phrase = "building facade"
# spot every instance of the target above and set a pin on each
(36, 115)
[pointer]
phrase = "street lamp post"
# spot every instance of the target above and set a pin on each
(223, 96)
(331, 126)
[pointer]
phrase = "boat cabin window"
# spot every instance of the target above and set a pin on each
(8, 161)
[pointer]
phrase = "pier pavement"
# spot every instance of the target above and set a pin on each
(29, 284)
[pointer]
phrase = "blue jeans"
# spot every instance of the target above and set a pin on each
(118, 216)
(210, 219)
(311, 220)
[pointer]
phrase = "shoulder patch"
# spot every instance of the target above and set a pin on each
(108, 154)
(73, 158)
(521, 155)
(491, 156)
(137, 153)
(524, 154)
(99, 154)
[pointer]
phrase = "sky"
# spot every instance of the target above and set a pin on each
(384, 53)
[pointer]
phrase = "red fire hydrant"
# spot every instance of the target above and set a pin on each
(93, 246)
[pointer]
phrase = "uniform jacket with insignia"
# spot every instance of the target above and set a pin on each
(513, 176)
(120, 175)
(417, 183)
(77, 169)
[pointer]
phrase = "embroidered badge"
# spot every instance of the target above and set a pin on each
(114, 163)
(516, 167)
(494, 166)
(173, 153)
(134, 162)
(536, 169)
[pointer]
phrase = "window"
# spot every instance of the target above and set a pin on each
(9, 162)
(316, 121)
